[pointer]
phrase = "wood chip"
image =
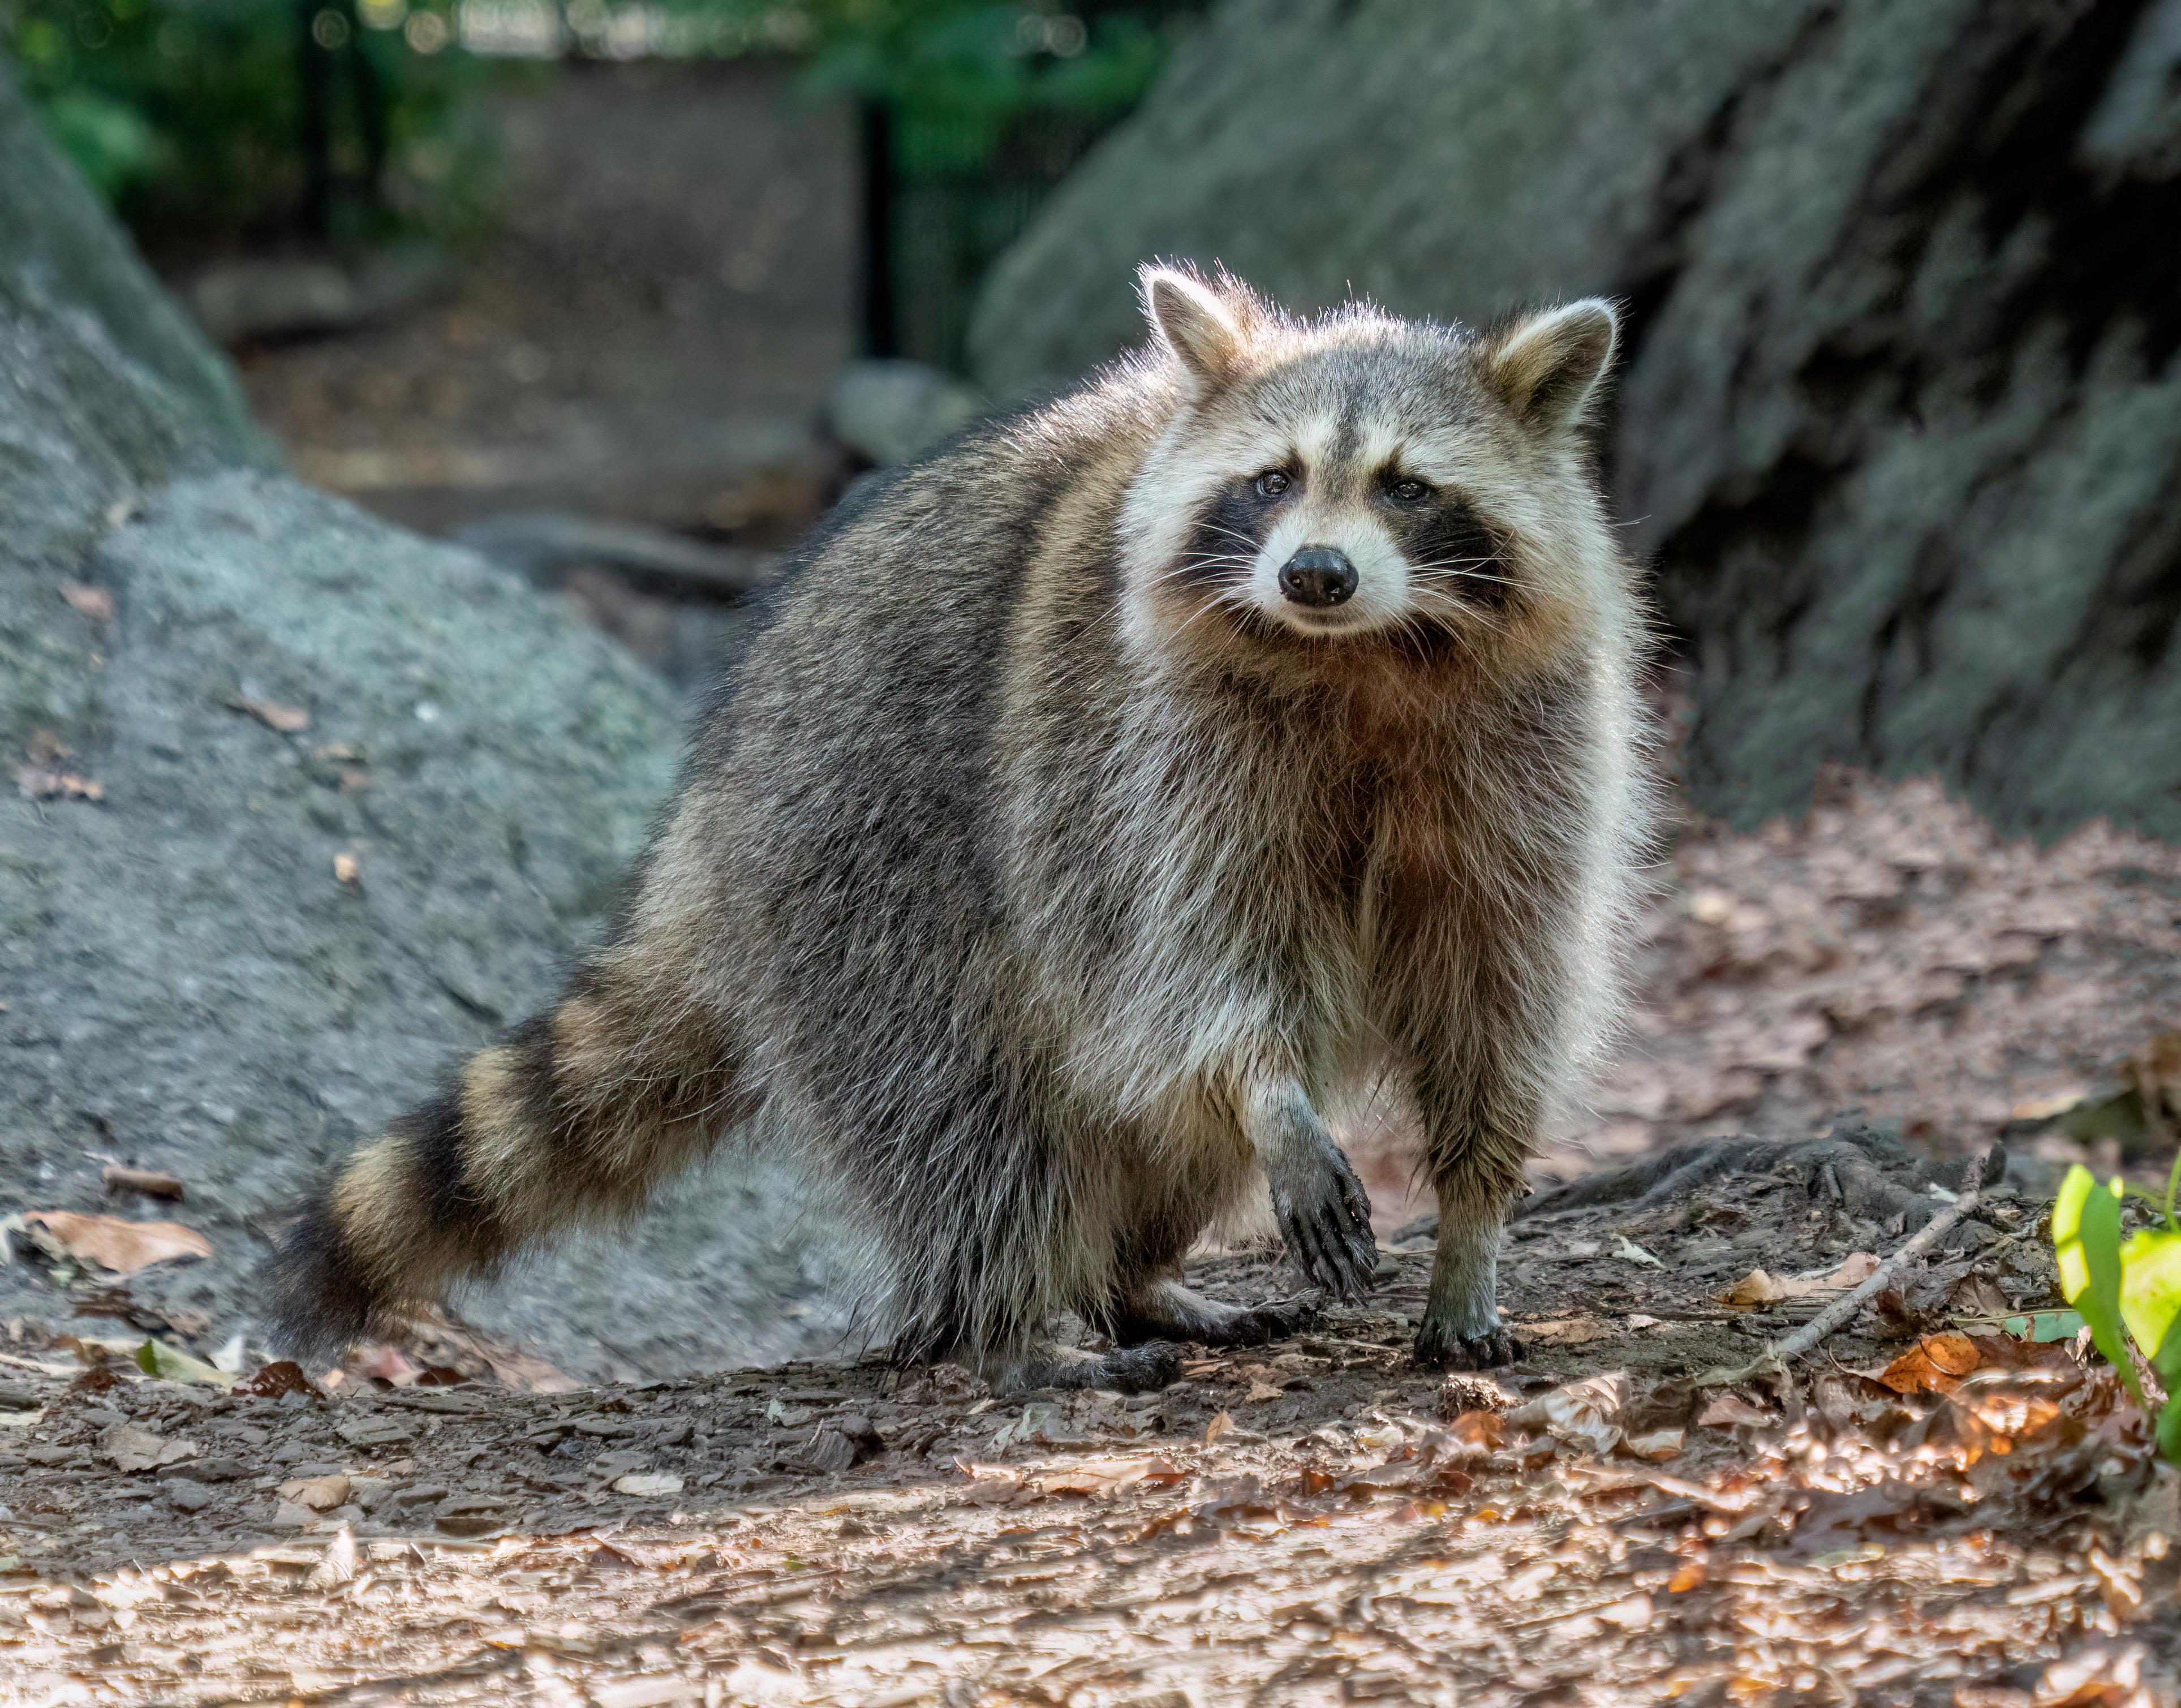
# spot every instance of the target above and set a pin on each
(150, 1183)
(289, 719)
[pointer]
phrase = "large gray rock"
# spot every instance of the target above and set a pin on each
(1900, 414)
(186, 981)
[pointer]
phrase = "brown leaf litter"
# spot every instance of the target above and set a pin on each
(1315, 1520)
(112, 1243)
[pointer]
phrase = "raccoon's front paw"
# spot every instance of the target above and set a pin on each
(1441, 1349)
(1325, 1218)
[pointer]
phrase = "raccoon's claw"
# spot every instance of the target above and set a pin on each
(1441, 1349)
(1325, 1218)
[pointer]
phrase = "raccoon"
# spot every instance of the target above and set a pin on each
(1100, 798)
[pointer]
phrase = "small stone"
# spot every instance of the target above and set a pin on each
(420, 1493)
(369, 1492)
(187, 1495)
(319, 1494)
(219, 1470)
(1633, 1614)
(470, 1515)
(659, 1483)
(131, 1448)
(287, 1514)
(373, 1432)
(829, 1450)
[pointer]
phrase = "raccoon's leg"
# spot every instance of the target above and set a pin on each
(1324, 1213)
(578, 1115)
(1478, 1133)
(1167, 1310)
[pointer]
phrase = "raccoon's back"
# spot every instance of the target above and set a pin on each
(849, 775)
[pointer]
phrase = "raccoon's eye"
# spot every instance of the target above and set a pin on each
(1407, 489)
(1271, 483)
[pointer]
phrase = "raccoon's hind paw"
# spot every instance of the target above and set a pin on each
(1167, 1311)
(1142, 1369)
(1325, 1218)
(1261, 1324)
(1441, 1349)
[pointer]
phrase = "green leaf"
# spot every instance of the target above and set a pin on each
(2151, 1299)
(158, 1358)
(2086, 1240)
(2044, 1326)
(2169, 1431)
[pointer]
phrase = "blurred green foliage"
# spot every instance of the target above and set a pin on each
(980, 108)
(2126, 1290)
(960, 76)
(208, 122)
(195, 117)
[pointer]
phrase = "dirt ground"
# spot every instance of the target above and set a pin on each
(1314, 1521)
(647, 333)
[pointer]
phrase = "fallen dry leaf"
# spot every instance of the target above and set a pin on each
(1583, 1415)
(1656, 1445)
(36, 782)
(1478, 1431)
(1756, 1288)
(289, 719)
(1759, 1288)
(94, 602)
(1108, 1476)
(1731, 1411)
(150, 1182)
(284, 1376)
(112, 1243)
(1935, 1364)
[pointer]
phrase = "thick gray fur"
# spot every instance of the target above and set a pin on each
(1047, 869)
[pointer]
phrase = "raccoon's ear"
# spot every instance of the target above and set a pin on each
(1548, 365)
(1195, 322)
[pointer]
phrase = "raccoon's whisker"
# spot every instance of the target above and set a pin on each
(1205, 561)
(1453, 611)
(1462, 566)
(1443, 571)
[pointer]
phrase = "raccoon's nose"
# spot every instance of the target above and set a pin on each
(1318, 575)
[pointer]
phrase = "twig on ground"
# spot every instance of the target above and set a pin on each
(1844, 1307)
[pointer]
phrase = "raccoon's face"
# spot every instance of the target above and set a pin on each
(1360, 477)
